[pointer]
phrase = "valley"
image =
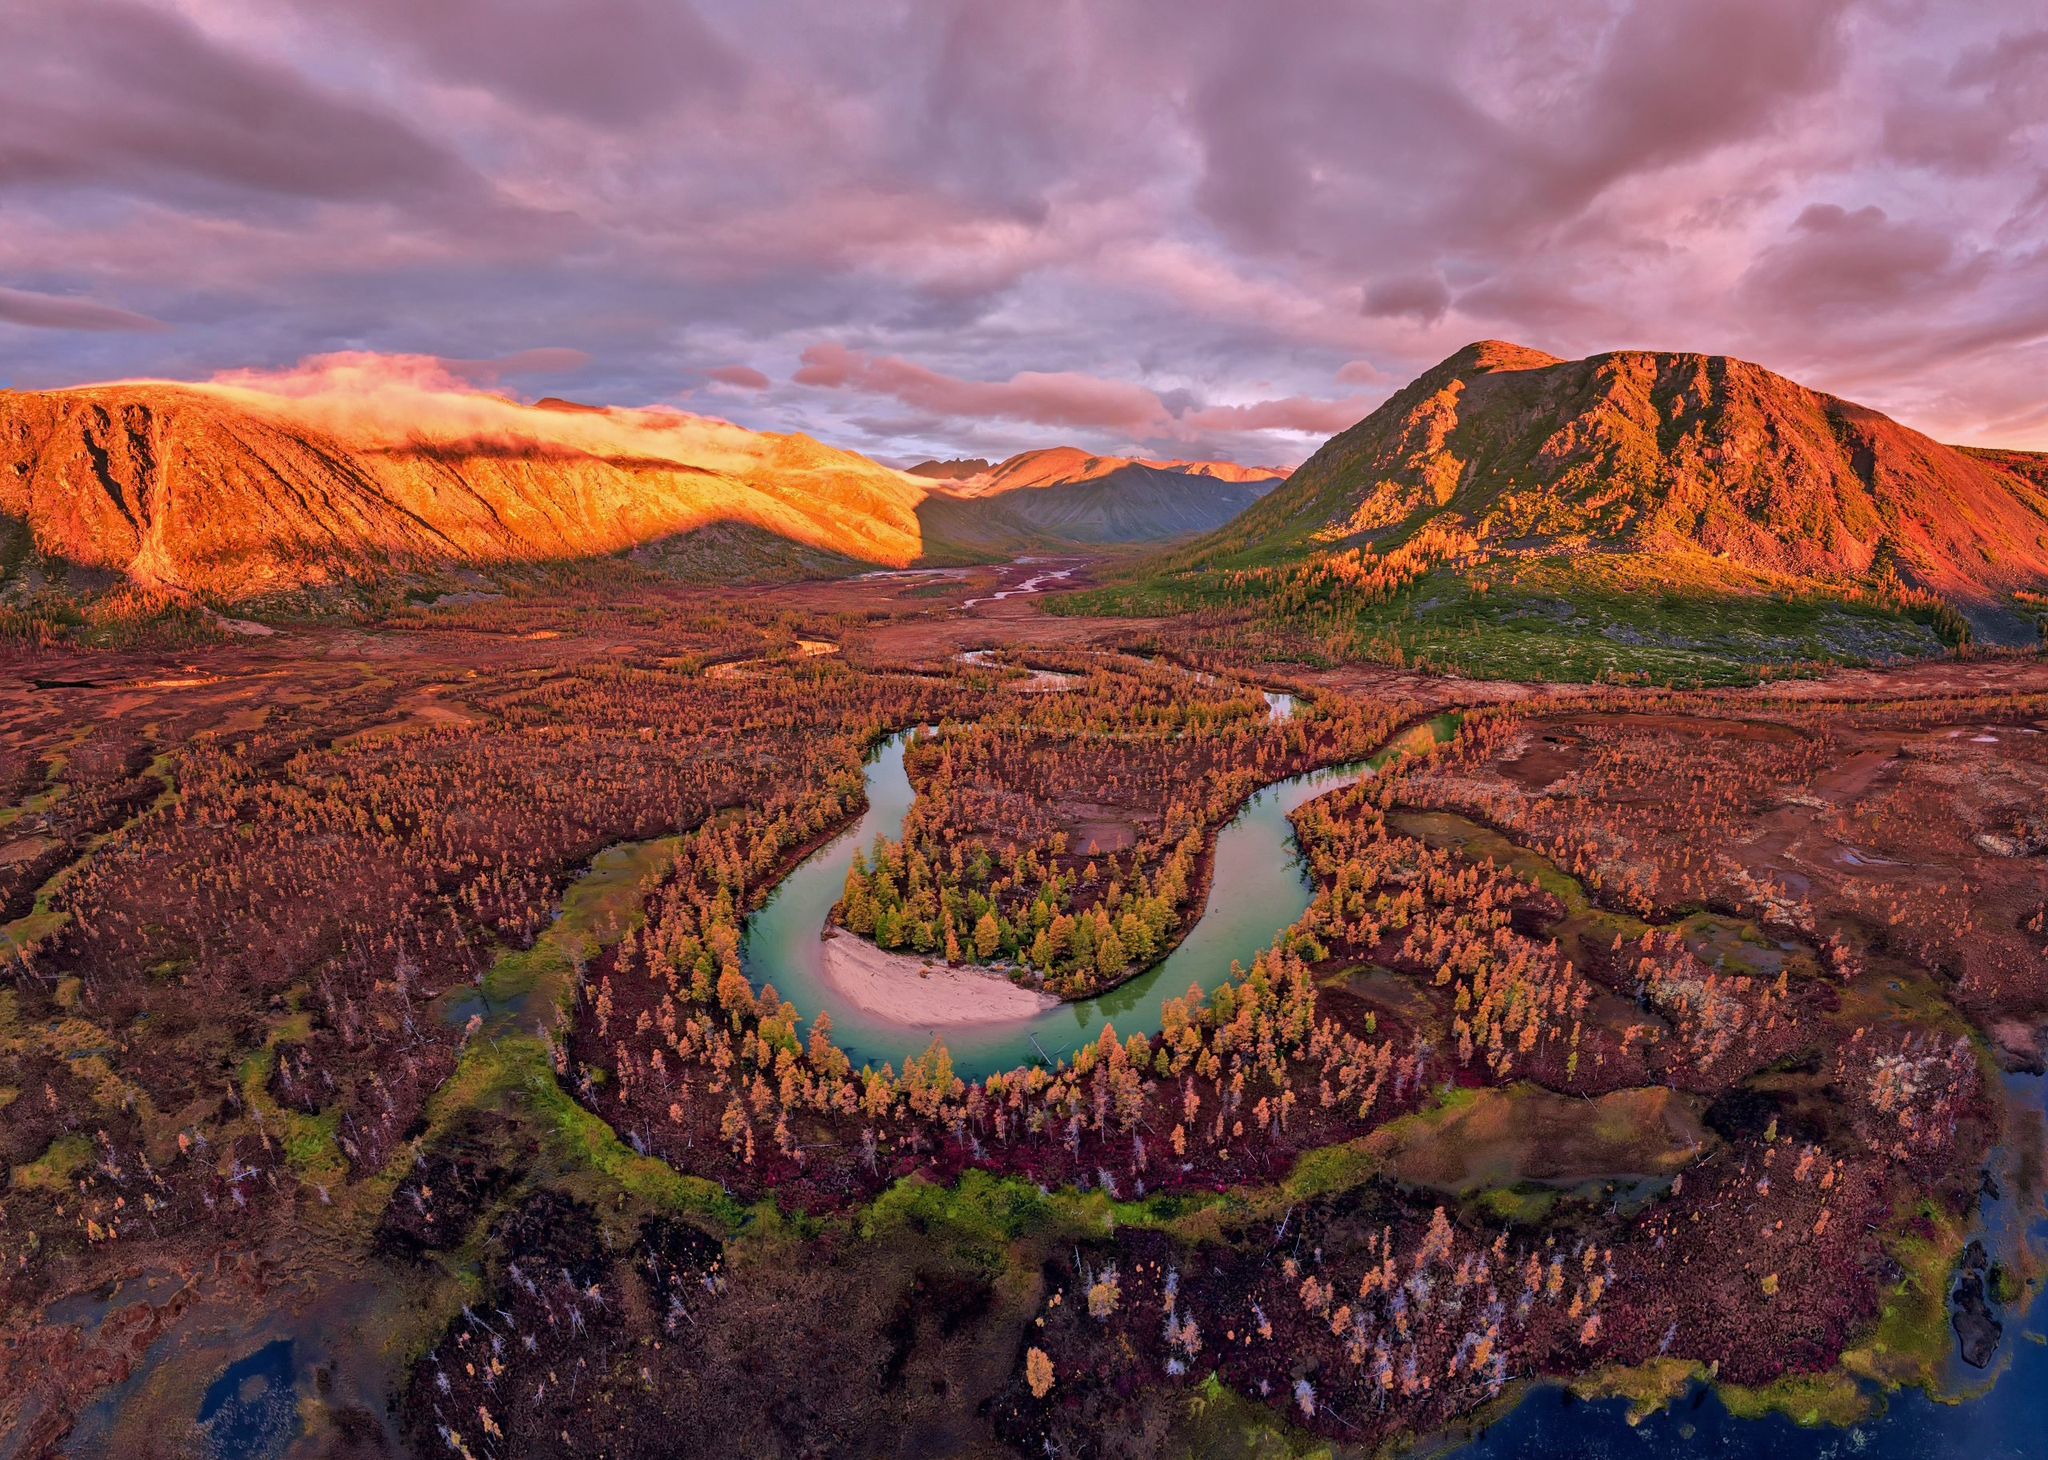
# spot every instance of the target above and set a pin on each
(977, 731)
(459, 974)
(578, 918)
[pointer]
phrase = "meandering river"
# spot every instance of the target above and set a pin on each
(1258, 887)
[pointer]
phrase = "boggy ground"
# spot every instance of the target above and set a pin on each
(1518, 1096)
(1784, 1155)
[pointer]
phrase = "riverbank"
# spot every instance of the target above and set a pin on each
(920, 993)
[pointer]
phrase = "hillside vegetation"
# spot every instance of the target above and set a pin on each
(234, 494)
(1636, 513)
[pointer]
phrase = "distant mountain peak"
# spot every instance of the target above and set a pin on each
(959, 468)
(1485, 357)
(1053, 466)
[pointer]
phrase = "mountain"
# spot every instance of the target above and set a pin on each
(239, 492)
(1667, 454)
(1065, 497)
(958, 469)
(1061, 466)
(1682, 517)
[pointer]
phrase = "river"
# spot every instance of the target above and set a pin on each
(1259, 886)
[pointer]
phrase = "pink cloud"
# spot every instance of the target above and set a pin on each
(362, 371)
(544, 360)
(744, 377)
(1075, 402)
(58, 312)
(1294, 413)
(957, 183)
(1061, 398)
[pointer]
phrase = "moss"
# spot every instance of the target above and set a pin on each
(1523, 1204)
(27, 932)
(598, 909)
(1831, 1398)
(1647, 1386)
(1909, 1344)
(308, 1140)
(1330, 1169)
(310, 1146)
(576, 1139)
(52, 1170)
(1217, 1423)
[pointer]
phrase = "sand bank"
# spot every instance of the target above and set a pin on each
(911, 990)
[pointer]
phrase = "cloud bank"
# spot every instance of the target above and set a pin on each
(962, 227)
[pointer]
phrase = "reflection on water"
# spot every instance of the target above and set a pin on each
(251, 1411)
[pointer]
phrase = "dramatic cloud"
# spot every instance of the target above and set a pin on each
(1425, 297)
(1836, 259)
(384, 401)
(1083, 403)
(1045, 400)
(965, 227)
(53, 312)
(126, 95)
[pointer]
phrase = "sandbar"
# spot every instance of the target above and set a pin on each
(920, 992)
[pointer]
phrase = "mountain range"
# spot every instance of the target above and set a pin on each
(1721, 476)
(1639, 515)
(1064, 497)
(237, 492)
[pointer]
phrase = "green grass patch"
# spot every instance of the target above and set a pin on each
(1570, 616)
(508, 1068)
(1831, 1398)
(1524, 1204)
(1647, 1386)
(1910, 1342)
(52, 1170)
(1218, 1423)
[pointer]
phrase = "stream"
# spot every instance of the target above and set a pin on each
(1258, 887)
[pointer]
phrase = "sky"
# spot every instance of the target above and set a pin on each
(970, 227)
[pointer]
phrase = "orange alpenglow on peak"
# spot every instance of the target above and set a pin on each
(1662, 452)
(1058, 466)
(358, 466)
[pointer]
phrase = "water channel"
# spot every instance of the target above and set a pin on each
(1259, 886)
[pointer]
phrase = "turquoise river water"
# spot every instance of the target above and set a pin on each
(1259, 886)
